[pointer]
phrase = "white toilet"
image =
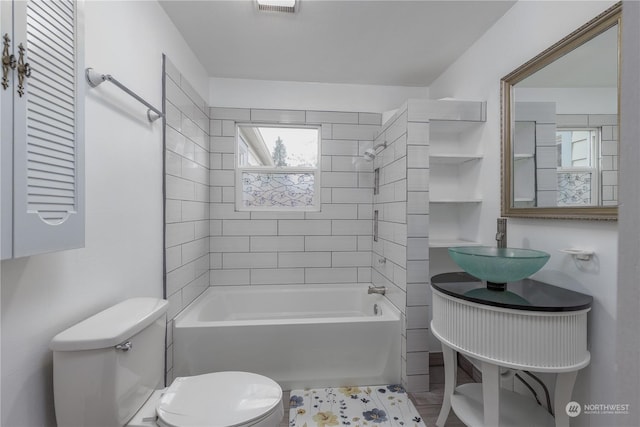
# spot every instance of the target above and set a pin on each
(107, 370)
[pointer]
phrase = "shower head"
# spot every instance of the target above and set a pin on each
(369, 154)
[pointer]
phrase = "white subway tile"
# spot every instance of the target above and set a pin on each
(418, 363)
(418, 248)
(418, 202)
(331, 275)
(304, 227)
(364, 274)
(215, 227)
(238, 114)
(340, 179)
(395, 253)
(304, 259)
(325, 163)
(228, 195)
(179, 188)
(418, 294)
(196, 249)
(280, 116)
(365, 179)
(351, 259)
(202, 192)
(230, 277)
(365, 211)
(418, 156)
(173, 163)
(175, 305)
(395, 212)
(180, 277)
(370, 118)
(173, 210)
(417, 317)
(178, 233)
(173, 116)
(215, 261)
(418, 340)
(229, 244)
(277, 215)
(417, 179)
(352, 195)
(417, 133)
(215, 127)
(228, 161)
(232, 227)
(173, 257)
(222, 178)
(337, 147)
(171, 70)
(365, 243)
(277, 276)
(228, 128)
(335, 211)
(194, 211)
(195, 288)
(331, 117)
(227, 211)
(330, 243)
(250, 260)
(396, 129)
(346, 163)
(417, 271)
(347, 227)
(277, 243)
(418, 225)
(355, 132)
(222, 144)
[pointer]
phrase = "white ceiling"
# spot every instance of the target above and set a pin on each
(393, 42)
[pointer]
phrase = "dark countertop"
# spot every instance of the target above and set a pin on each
(526, 294)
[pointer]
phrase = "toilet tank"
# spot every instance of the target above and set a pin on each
(105, 367)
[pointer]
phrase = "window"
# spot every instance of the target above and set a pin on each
(277, 167)
(578, 164)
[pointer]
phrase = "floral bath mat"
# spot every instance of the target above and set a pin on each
(373, 406)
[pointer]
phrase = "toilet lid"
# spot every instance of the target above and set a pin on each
(218, 399)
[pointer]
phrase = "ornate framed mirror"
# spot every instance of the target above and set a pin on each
(560, 126)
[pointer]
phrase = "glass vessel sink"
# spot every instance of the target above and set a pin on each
(498, 266)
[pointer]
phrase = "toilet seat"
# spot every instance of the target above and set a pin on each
(227, 399)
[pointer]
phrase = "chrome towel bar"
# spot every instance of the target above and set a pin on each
(94, 79)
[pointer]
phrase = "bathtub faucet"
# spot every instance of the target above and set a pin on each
(377, 290)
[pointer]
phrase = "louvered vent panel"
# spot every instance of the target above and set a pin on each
(51, 127)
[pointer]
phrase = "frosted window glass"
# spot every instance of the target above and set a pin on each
(574, 188)
(277, 189)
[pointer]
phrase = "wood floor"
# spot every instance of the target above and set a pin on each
(427, 403)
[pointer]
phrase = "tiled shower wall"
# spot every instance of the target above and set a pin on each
(186, 198)
(608, 124)
(401, 252)
(330, 246)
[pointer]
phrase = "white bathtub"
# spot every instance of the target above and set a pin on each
(299, 335)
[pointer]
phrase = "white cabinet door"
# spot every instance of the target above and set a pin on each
(48, 131)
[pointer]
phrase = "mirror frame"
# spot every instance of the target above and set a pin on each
(601, 23)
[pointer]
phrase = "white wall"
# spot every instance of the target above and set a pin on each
(42, 295)
(240, 93)
(523, 32)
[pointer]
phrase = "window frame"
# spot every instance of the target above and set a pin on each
(239, 170)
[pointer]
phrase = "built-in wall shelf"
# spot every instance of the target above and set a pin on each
(523, 156)
(523, 199)
(453, 159)
(451, 243)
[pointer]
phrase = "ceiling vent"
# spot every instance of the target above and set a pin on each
(285, 6)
